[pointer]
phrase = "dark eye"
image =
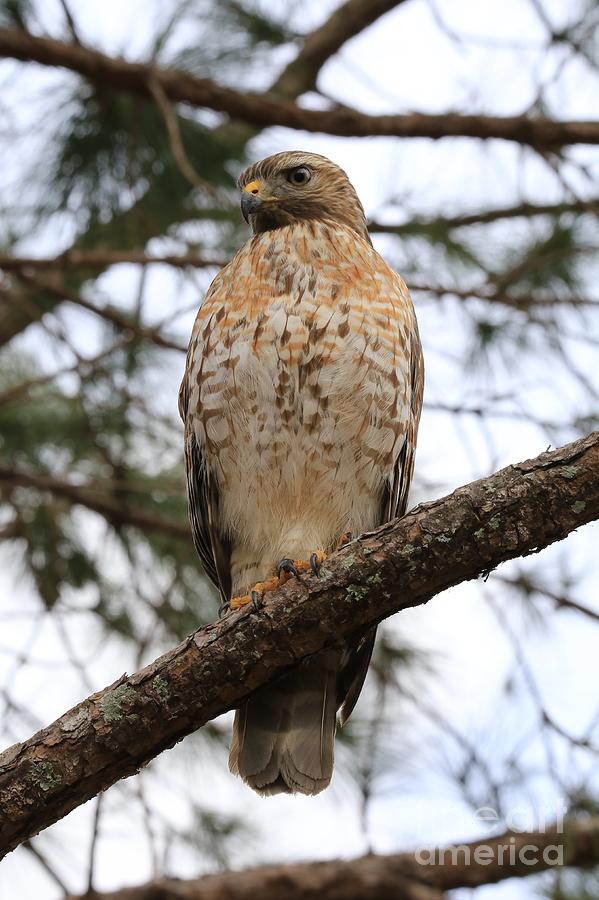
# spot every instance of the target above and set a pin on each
(299, 176)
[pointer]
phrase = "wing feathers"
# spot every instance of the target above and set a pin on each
(214, 548)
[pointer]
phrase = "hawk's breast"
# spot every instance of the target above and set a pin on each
(300, 384)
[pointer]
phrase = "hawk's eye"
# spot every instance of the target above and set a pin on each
(299, 176)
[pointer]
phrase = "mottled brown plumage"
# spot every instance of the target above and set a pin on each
(301, 401)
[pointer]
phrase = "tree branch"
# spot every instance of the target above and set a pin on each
(264, 110)
(344, 23)
(176, 142)
(25, 267)
(101, 259)
(116, 513)
(110, 735)
(421, 225)
(110, 313)
(524, 302)
(92, 259)
(400, 876)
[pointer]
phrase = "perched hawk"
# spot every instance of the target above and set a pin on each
(301, 400)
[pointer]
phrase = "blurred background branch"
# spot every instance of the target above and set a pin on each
(400, 877)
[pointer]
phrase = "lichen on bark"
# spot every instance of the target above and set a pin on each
(113, 701)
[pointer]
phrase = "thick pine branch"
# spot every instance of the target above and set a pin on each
(110, 735)
(400, 876)
(264, 110)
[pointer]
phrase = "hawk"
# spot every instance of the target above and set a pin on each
(301, 400)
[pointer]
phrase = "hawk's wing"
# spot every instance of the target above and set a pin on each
(393, 504)
(395, 494)
(213, 547)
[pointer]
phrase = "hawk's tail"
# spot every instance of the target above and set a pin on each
(283, 735)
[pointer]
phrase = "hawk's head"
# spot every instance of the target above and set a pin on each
(295, 186)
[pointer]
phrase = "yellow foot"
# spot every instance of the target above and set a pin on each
(256, 593)
(283, 572)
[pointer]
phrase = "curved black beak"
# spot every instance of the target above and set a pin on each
(250, 203)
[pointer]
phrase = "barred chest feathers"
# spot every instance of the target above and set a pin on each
(300, 389)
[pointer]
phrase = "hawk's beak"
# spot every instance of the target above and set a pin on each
(250, 203)
(252, 198)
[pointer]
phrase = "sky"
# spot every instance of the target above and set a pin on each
(401, 63)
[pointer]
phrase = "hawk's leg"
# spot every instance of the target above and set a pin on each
(284, 570)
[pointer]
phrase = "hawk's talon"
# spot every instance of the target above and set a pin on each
(315, 564)
(285, 569)
(287, 566)
(223, 609)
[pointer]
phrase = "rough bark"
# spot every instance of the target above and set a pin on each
(265, 110)
(110, 735)
(400, 876)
